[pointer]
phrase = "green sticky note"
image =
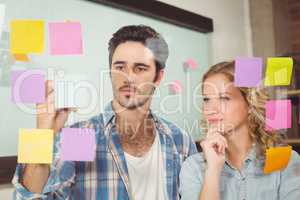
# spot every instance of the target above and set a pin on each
(35, 146)
(27, 36)
(279, 71)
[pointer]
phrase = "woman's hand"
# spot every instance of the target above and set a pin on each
(214, 146)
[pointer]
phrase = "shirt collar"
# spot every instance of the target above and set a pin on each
(250, 157)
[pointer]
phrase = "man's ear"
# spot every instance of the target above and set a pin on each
(159, 77)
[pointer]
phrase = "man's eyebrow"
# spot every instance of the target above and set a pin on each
(141, 64)
(119, 62)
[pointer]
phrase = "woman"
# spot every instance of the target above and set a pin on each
(231, 164)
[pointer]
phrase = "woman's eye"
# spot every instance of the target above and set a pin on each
(225, 98)
(205, 99)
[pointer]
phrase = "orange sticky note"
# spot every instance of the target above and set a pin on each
(277, 158)
(21, 57)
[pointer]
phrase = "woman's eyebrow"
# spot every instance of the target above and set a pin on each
(228, 93)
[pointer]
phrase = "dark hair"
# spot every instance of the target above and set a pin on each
(147, 36)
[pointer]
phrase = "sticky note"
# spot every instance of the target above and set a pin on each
(78, 144)
(65, 38)
(248, 72)
(277, 158)
(175, 87)
(278, 114)
(27, 36)
(21, 57)
(279, 71)
(35, 146)
(190, 64)
(28, 86)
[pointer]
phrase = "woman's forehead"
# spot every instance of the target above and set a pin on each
(218, 84)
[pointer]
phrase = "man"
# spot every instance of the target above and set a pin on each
(138, 156)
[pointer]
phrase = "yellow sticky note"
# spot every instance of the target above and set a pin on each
(279, 71)
(277, 158)
(27, 36)
(35, 146)
(21, 57)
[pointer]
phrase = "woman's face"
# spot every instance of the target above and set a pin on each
(224, 107)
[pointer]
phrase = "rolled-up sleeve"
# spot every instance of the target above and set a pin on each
(290, 179)
(58, 185)
(191, 178)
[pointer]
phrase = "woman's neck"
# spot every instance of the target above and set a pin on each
(239, 145)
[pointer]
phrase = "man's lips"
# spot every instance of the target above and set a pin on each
(127, 89)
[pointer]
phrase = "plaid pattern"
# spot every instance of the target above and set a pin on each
(107, 177)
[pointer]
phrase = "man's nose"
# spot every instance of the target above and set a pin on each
(129, 76)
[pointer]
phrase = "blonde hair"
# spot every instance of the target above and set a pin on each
(256, 99)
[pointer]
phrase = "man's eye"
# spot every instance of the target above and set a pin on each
(119, 67)
(140, 69)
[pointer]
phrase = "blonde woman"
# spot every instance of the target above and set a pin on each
(231, 164)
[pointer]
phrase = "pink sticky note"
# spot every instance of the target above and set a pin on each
(248, 72)
(65, 38)
(78, 144)
(190, 64)
(278, 114)
(175, 87)
(28, 86)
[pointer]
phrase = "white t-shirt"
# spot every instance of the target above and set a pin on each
(147, 174)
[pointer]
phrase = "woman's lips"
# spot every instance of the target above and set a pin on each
(214, 120)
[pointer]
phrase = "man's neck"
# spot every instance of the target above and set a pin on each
(135, 128)
(135, 120)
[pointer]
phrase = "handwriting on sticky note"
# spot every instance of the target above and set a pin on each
(27, 36)
(65, 38)
(279, 71)
(35, 146)
(277, 158)
(278, 114)
(248, 72)
(78, 144)
(28, 86)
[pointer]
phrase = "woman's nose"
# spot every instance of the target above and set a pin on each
(213, 107)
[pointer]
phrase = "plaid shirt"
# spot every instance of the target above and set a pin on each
(107, 177)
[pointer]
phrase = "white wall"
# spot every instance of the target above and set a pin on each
(232, 31)
(231, 36)
(6, 192)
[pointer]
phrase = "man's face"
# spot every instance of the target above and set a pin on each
(133, 72)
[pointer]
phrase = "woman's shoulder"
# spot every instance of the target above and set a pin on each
(295, 158)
